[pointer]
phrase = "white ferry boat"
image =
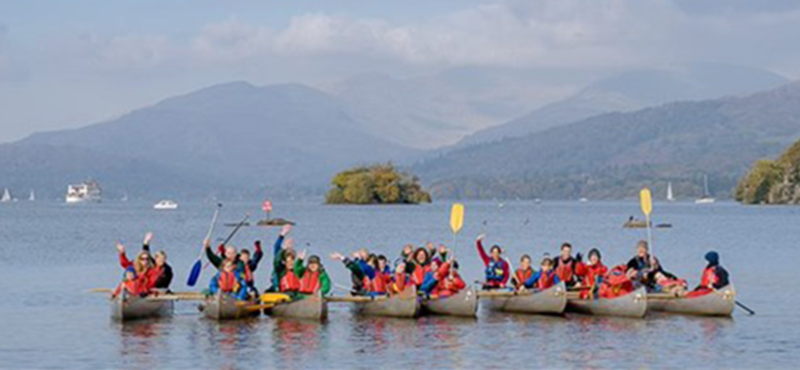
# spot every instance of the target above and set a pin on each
(88, 191)
(166, 205)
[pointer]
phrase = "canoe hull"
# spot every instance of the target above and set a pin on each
(126, 307)
(463, 304)
(313, 307)
(721, 302)
(633, 305)
(402, 305)
(550, 301)
(224, 307)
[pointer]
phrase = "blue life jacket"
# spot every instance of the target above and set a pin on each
(494, 271)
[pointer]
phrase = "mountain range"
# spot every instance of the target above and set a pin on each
(240, 139)
(613, 155)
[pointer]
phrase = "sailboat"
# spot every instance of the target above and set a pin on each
(670, 198)
(706, 198)
(32, 196)
(6, 196)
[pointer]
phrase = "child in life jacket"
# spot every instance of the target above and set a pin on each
(544, 278)
(129, 284)
(228, 281)
(523, 273)
(670, 284)
(616, 283)
(313, 277)
(400, 279)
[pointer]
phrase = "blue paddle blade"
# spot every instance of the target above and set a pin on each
(195, 274)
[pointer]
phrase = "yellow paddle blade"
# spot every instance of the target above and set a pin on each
(457, 217)
(646, 201)
(275, 298)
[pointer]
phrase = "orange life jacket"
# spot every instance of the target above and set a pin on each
(289, 282)
(228, 282)
(545, 280)
(400, 281)
(565, 271)
(522, 276)
(418, 276)
(309, 284)
(709, 277)
(376, 285)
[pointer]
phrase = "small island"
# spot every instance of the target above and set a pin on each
(773, 182)
(376, 184)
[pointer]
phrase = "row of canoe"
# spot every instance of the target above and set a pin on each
(554, 301)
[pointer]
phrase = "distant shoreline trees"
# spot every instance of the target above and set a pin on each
(376, 184)
(773, 182)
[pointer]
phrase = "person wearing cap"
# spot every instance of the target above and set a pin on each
(591, 273)
(643, 267)
(130, 283)
(313, 277)
(544, 278)
(497, 270)
(714, 276)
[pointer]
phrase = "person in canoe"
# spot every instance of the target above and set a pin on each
(228, 281)
(418, 266)
(313, 276)
(130, 284)
(288, 281)
(443, 281)
(399, 278)
(250, 265)
(565, 265)
(643, 267)
(496, 268)
(224, 254)
(714, 276)
(364, 271)
(523, 272)
(616, 283)
(544, 278)
(591, 274)
(282, 244)
(153, 273)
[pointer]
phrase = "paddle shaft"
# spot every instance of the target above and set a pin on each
(649, 234)
(236, 229)
(211, 227)
(742, 306)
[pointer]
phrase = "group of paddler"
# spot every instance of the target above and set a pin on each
(420, 279)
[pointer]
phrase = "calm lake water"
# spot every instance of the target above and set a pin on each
(51, 254)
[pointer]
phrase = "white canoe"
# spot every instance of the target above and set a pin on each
(551, 301)
(312, 307)
(464, 304)
(633, 304)
(720, 302)
(127, 307)
(403, 305)
(224, 307)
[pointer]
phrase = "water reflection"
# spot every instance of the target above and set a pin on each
(141, 339)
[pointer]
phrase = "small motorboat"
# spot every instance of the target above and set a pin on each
(165, 205)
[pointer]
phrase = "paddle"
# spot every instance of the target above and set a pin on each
(236, 229)
(456, 223)
(742, 306)
(194, 274)
(646, 201)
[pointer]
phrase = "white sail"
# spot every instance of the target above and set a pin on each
(32, 196)
(669, 192)
(6, 196)
(706, 198)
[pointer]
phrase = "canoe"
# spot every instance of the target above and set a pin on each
(550, 301)
(633, 304)
(127, 307)
(403, 305)
(312, 307)
(720, 302)
(224, 307)
(464, 304)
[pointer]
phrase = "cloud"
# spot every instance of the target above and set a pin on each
(131, 51)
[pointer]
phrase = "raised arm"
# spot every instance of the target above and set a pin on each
(213, 257)
(481, 250)
(253, 264)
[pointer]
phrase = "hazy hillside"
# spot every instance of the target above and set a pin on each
(252, 136)
(636, 89)
(612, 155)
(430, 111)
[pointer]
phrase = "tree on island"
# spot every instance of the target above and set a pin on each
(376, 184)
(773, 182)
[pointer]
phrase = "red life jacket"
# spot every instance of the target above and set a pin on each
(448, 287)
(418, 276)
(227, 282)
(248, 275)
(289, 282)
(309, 284)
(565, 271)
(545, 280)
(616, 283)
(376, 285)
(400, 281)
(709, 277)
(590, 273)
(522, 276)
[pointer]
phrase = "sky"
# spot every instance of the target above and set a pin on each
(69, 63)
